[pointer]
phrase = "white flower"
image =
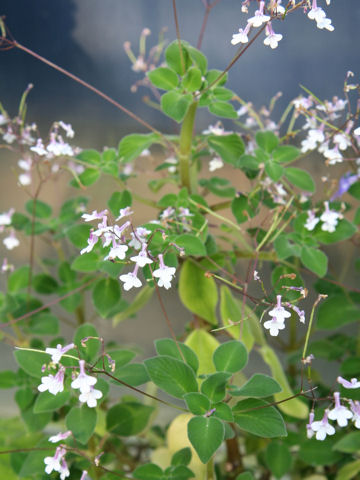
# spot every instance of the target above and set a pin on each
(215, 164)
(325, 23)
(94, 215)
(309, 431)
(130, 279)
(340, 413)
(164, 274)
(90, 397)
(138, 238)
(92, 240)
(316, 14)
(242, 36)
(68, 129)
(11, 241)
(332, 154)
(83, 381)
(9, 137)
(278, 321)
(330, 219)
(5, 218)
(142, 259)
(60, 436)
(24, 179)
(58, 352)
(323, 427)
(342, 141)
(53, 384)
(272, 39)
(259, 17)
(53, 463)
(357, 131)
(39, 148)
(354, 382)
(311, 221)
(119, 251)
(355, 408)
(124, 212)
(64, 470)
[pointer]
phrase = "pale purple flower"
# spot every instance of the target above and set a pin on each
(242, 36)
(142, 259)
(345, 183)
(54, 384)
(330, 219)
(94, 215)
(60, 436)
(167, 213)
(92, 241)
(5, 218)
(340, 413)
(84, 475)
(64, 469)
(138, 238)
(311, 221)
(90, 397)
(342, 141)
(83, 381)
(278, 321)
(6, 266)
(272, 39)
(256, 276)
(124, 212)
(259, 17)
(118, 251)
(322, 427)
(216, 129)
(164, 274)
(354, 382)
(54, 463)
(58, 352)
(315, 136)
(131, 280)
(355, 408)
(9, 136)
(67, 128)
(309, 431)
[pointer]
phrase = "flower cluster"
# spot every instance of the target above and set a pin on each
(329, 219)
(279, 314)
(10, 241)
(274, 10)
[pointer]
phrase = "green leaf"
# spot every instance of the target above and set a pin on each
(81, 421)
(239, 208)
(245, 476)
(285, 249)
(92, 346)
(132, 145)
(268, 141)
(230, 357)
(344, 230)
(206, 434)
(274, 170)
(78, 235)
(214, 386)
(163, 78)
(177, 62)
(175, 104)
(198, 58)
(128, 418)
(87, 177)
(111, 268)
(137, 304)
(294, 407)
(179, 472)
(197, 403)
(149, 471)
(315, 260)
(119, 200)
(350, 443)
(197, 292)
(167, 346)
(47, 402)
(258, 385)
(192, 80)
(222, 93)
(8, 379)
(90, 156)
(31, 362)
(300, 178)
(285, 153)
(247, 162)
(42, 210)
(203, 344)
(348, 471)
(223, 109)
(229, 147)
(35, 421)
(44, 323)
(278, 458)
(88, 262)
(18, 279)
(181, 457)
(134, 374)
(223, 411)
(264, 422)
(213, 75)
(173, 376)
(120, 357)
(336, 311)
(315, 453)
(192, 245)
(106, 295)
(45, 284)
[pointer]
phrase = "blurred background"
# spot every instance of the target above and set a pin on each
(86, 37)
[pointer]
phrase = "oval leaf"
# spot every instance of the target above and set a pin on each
(206, 434)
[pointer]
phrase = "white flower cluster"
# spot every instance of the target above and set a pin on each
(339, 413)
(113, 236)
(275, 10)
(54, 384)
(279, 314)
(10, 241)
(329, 219)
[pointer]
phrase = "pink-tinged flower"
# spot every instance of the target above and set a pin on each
(9, 136)
(168, 212)
(67, 128)
(315, 136)
(300, 313)
(138, 238)
(58, 352)
(54, 384)
(5, 218)
(54, 463)
(92, 241)
(39, 148)
(216, 129)
(278, 321)
(322, 427)
(242, 36)
(309, 431)
(164, 274)
(142, 259)
(257, 276)
(316, 13)
(340, 413)
(355, 408)
(311, 221)
(90, 397)
(11, 241)
(124, 212)
(354, 382)
(83, 381)
(215, 164)
(330, 219)
(84, 475)
(119, 251)
(60, 436)
(6, 266)
(64, 469)
(342, 141)
(94, 215)
(131, 280)
(272, 39)
(259, 17)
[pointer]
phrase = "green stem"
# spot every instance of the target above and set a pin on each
(187, 172)
(320, 297)
(210, 470)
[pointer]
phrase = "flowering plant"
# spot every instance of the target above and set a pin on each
(254, 269)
